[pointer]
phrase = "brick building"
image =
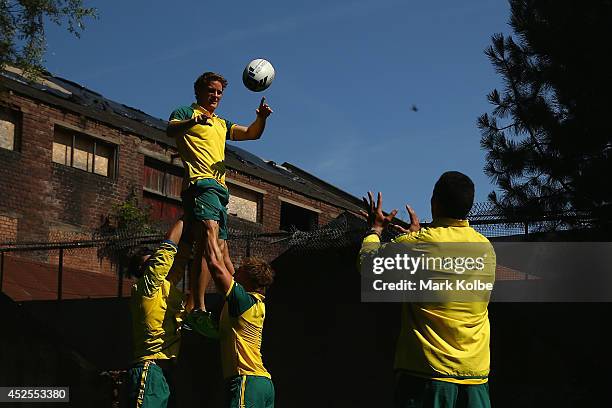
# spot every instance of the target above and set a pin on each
(68, 155)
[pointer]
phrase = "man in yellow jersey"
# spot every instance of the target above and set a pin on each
(157, 308)
(241, 327)
(200, 138)
(442, 355)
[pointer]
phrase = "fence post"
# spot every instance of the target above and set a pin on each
(526, 227)
(1, 269)
(120, 283)
(60, 274)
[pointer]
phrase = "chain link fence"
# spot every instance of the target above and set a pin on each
(77, 265)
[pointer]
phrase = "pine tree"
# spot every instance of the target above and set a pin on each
(549, 138)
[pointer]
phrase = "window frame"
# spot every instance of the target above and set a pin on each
(74, 134)
(313, 213)
(15, 117)
(236, 185)
(165, 168)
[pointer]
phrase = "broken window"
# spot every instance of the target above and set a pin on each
(295, 217)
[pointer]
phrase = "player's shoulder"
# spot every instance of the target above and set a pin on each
(478, 237)
(441, 234)
(239, 300)
(182, 113)
(223, 121)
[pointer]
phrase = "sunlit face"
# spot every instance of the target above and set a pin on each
(210, 96)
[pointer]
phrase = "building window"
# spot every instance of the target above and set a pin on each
(10, 128)
(244, 203)
(163, 179)
(162, 209)
(295, 217)
(83, 152)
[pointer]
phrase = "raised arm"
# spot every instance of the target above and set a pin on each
(378, 221)
(255, 129)
(159, 264)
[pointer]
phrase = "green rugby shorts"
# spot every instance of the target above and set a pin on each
(251, 391)
(207, 200)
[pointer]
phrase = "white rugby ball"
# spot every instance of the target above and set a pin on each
(258, 75)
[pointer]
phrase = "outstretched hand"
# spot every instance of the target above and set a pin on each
(415, 224)
(376, 219)
(264, 109)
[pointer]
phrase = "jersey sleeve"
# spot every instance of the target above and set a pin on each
(412, 236)
(371, 246)
(230, 128)
(157, 267)
(182, 113)
(238, 299)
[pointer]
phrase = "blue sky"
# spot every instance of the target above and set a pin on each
(347, 74)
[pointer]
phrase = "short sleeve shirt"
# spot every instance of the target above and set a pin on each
(202, 147)
(241, 328)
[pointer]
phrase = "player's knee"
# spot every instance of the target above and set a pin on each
(210, 226)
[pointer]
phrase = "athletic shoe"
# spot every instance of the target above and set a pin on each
(201, 321)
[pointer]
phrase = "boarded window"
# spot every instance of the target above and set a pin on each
(162, 184)
(10, 124)
(162, 178)
(244, 203)
(83, 152)
(162, 209)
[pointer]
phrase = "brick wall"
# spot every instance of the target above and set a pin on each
(78, 258)
(41, 191)
(272, 202)
(8, 228)
(42, 194)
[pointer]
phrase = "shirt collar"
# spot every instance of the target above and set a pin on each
(449, 222)
(258, 295)
(200, 109)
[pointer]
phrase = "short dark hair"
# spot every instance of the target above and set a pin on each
(259, 271)
(135, 263)
(454, 195)
(205, 79)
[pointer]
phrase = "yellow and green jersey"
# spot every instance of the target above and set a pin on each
(157, 308)
(240, 329)
(202, 147)
(444, 341)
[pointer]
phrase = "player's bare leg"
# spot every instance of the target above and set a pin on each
(224, 246)
(200, 277)
(200, 319)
